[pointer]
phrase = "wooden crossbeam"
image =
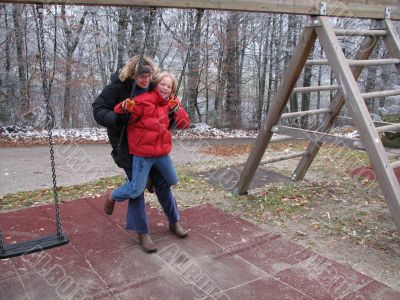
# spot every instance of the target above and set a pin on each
(339, 8)
(359, 32)
(306, 113)
(277, 107)
(367, 46)
(362, 119)
(318, 137)
(381, 94)
(391, 127)
(320, 88)
(283, 157)
(354, 62)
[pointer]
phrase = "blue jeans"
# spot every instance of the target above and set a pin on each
(140, 172)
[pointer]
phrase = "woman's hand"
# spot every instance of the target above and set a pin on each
(173, 105)
(128, 105)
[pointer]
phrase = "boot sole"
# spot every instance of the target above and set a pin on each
(182, 236)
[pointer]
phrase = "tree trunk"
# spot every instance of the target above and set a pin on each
(121, 36)
(19, 41)
(232, 104)
(319, 80)
(207, 58)
(151, 46)
(193, 74)
(7, 111)
(263, 75)
(370, 83)
(137, 27)
(290, 45)
(70, 43)
(305, 97)
(271, 63)
(221, 81)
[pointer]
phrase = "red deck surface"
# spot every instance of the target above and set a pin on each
(224, 257)
(369, 173)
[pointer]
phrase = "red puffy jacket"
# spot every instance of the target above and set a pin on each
(148, 133)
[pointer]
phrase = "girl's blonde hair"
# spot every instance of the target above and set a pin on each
(130, 69)
(160, 76)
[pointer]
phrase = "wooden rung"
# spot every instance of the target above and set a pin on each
(284, 157)
(360, 32)
(361, 62)
(395, 164)
(381, 94)
(319, 88)
(318, 136)
(282, 138)
(377, 123)
(392, 127)
(306, 113)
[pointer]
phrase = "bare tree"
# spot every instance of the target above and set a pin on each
(194, 66)
(19, 41)
(70, 43)
(232, 104)
(121, 35)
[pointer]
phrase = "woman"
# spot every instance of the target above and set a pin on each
(120, 89)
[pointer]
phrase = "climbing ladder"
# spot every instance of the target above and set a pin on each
(346, 72)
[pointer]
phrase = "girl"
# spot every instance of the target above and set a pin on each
(149, 138)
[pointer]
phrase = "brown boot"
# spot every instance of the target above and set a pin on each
(146, 243)
(178, 230)
(109, 203)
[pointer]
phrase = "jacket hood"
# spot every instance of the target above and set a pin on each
(114, 77)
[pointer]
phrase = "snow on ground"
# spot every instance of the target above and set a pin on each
(25, 135)
(91, 135)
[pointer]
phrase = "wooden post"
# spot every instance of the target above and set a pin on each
(362, 119)
(292, 73)
(366, 48)
(338, 8)
(392, 41)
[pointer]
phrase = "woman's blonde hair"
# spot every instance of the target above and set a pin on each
(130, 69)
(160, 76)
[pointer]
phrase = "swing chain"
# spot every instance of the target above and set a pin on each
(60, 233)
(199, 15)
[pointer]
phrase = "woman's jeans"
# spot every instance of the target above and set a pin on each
(136, 218)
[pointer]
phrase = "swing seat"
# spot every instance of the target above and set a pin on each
(32, 246)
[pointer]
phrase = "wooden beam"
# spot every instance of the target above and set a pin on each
(277, 107)
(371, 9)
(355, 62)
(391, 127)
(392, 43)
(317, 137)
(381, 94)
(359, 32)
(369, 136)
(283, 157)
(306, 113)
(366, 48)
(318, 88)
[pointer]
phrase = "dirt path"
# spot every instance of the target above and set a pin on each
(28, 168)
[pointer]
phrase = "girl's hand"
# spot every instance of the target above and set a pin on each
(173, 105)
(128, 105)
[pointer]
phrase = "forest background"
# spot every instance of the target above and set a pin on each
(233, 70)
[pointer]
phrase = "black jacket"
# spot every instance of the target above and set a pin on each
(103, 112)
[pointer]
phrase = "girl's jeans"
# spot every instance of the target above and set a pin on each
(136, 217)
(140, 172)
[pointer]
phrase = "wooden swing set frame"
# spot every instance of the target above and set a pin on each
(346, 73)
